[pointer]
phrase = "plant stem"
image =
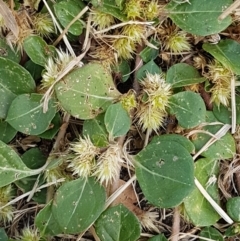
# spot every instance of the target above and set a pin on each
(176, 225)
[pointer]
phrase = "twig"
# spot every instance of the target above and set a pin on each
(121, 25)
(217, 208)
(69, 25)
(233, 104)
(176, 225)
(229, 10)
(27, 193)
(68, 45)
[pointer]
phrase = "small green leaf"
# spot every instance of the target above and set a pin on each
(86, 92)
(182, 74)
(210, 233)
(96, 130)
(111, 7)
(149, 53)
(14, 80)
(189, 108)
(77, 204)
(182, 140)
(159, 237)
(165, 173)
(227, 52)
(34, 69)
(7, 132)
(33, 159)
(117, 120)
(118, 224)
(11, 166)
(199, 17)
(149, 67)
(66, 11)
(223, 113)
(8, 53)
(26, 114)
(46, 223)
(222, 149)
(38, 50)
(233, 208)
(198, 209)
(3, 235)
(123, 69)
(53, 129)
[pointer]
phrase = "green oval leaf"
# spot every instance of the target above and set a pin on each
(3, 235)
(77, 204)
(233, 208)
(165, 173)
(53, 129)
(7, 52)
(189, 109)
(183, 74)
(87, 91)
(118, 224)
(14, 80)
(46, 223)
(198, 209)
(38, 50)
(149, 67)
(222, 149)
(210, 233)
(96, 130)
(227, 52)
(7, 132)
(199, 17)
(182, 140)
(26, 114)
(223, 113)
(117, 120)
(11, 166)
(66, 11)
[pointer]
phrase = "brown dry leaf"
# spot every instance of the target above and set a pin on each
(9, 19)
(29, 141)
(127, 198)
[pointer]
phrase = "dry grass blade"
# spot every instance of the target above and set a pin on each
(9, 19)
(229, 10)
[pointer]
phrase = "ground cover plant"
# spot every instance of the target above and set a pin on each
(119, 120)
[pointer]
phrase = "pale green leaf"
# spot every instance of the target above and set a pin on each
(165, 173)
(199, 17)
(198, 209)
(118, 224)
(77, 204)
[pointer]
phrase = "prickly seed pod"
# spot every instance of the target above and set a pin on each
(43, 24)
(109, 164)
(134, 32)
(82, 159)
(53, 67)
(54, 174)
(133, 8)
(157, 90)
(6, 213)
(153, 100)
(148, 220)
(105, 55)
(124, 47)
(101, 20)
(173, 39)
(29, 234)
(220, 76)
(129, 101)
(151, 10)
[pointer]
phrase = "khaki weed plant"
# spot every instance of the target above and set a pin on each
(119, 120)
